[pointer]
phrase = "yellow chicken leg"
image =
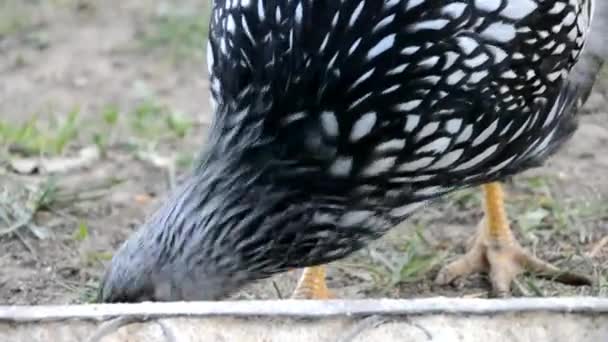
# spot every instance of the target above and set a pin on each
(498, 253)
(312, 285)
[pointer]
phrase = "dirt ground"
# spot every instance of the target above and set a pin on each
(128, 78)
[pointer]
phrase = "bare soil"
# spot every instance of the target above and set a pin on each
(144, 59)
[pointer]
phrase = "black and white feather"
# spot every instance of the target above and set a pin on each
(335, 120)
(385, 95)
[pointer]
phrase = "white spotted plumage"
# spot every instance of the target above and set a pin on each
(336, 120)
(381, 105)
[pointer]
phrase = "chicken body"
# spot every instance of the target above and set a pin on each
(336, 120)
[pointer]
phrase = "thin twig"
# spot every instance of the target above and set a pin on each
(112, 326)
(277, 290)
(62, 199)
(20, 224)
(26, 244)
(597, 248)
(168, 332)
(424, 330)
(4, 216)
(64, 215)
(364, 324)
(520, 288)
(310, 308)
(77, 284)
(65, 285)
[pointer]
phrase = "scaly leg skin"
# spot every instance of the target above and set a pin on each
(312, 285)
(496, 252)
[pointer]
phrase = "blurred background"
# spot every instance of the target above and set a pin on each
(104, 105)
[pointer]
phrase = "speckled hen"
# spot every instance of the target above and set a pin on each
(336, 120)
